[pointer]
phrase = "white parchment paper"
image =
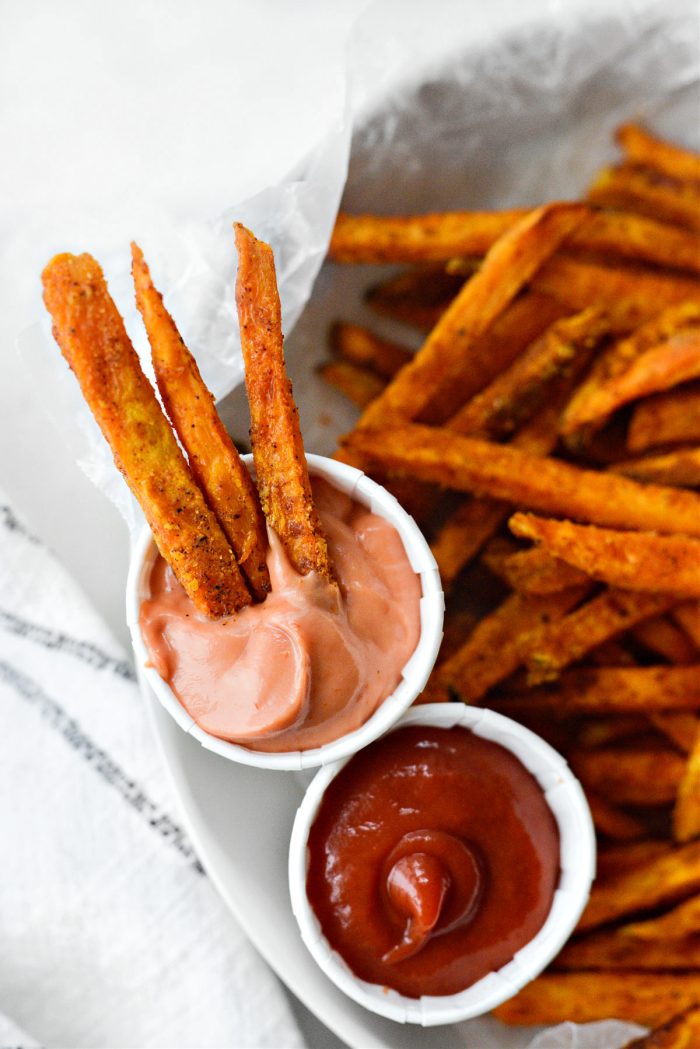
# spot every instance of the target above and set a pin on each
(487, 106)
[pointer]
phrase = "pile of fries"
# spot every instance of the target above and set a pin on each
(207, 515)
(555, 401)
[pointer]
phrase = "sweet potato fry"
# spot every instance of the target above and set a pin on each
(449, 350)
(628, 296)
(679, 727)
(214, 461)
(686, 814)
(613, 822)
(662, 879)
(278, 450)
(613, 859)
(642, 147)
(682, 920)
(491, 653)
(680, 1032)
(687, 615)
(535, 571)
(666, 418)
(592, 401)
(546, 650)
(539, 483)
(359, 385)
(680, 468)
(612, 950)
(519, 390)
(599, 732)
(91, 334)
(630, 777)
(667, 640)
(648, 998)
(463, 534)
(362, 347)
(632, 560)
(631, 188)
(610, 690)
(441, 236)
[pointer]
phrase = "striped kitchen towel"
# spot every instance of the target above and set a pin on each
(111, 934)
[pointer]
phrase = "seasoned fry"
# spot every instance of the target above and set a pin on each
(680, 728)
(642, 147)
(464, 533)
(599, 732)
(612, 950)
(278, 450)
(92, 338)
(647, 998)
(441, 236)
(214, 461)
(359, 385)
(680, 1032)
(361, 346)
(553, 646)
(686, 814)
(613, 859)
(662, 879)
(592, 401)
(667, 640)
(666, 418)
(631, 188)
(687, 615)
(630, 777)
(613, 822)
(683, 920)
(609, 690)
(519, 390)
(680, 468)
(539, 483)
(633, 560)
(449, 350)
(535, 571)
(491, 653)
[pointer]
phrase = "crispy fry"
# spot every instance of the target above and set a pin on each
(613, 822)
(535, 571)
(609, 690)
(662, 879)
(680, 468)
(92, 338)
(278, 450)
(612, 950)
(449, 350)
(666, 418)
(631, 188)
(687, 615)
(683, 920)
(519, 390)
(680, 1032)
(539, 483)
(547, 650)
(647, 998)
(592, 401)
(491, 653)
(441, 236)
(464, 533)
(599, 732)
(610, 653)
(633, 560)
(680, 728)
(359, 385)
(642, 147)
(613, 859)
(686, 814)
(361, 346)
(630, 777)
(213, 459)
(667, 640)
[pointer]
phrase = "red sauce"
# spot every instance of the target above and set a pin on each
(433, 859)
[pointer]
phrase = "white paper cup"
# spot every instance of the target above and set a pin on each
(577, 866)
(413, 676)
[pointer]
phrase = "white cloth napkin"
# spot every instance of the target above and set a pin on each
(111, 932)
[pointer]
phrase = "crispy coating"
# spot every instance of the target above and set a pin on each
(91, 334)
(642, 147)
(534, 571)
(359, 385)
(214, 461)
(278, 450)
(639, 776)
(682, 920)
(686, 813)
(364, 348)
(635, 560)
(629, 187)
(612, 950)
(680, 467)
(666, 418)
(611, 821)
(680, 1032)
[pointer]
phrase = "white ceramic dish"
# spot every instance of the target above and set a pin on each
(577, 864)
(413, 676)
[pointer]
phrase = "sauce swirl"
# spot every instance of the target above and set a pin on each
(433, 859)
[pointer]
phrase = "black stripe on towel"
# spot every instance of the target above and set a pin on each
(57, 718)
(59, 642)
(12, 523)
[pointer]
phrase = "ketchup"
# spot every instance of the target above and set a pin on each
(433, 859)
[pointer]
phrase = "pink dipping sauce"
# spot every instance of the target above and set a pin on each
(313, 661)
